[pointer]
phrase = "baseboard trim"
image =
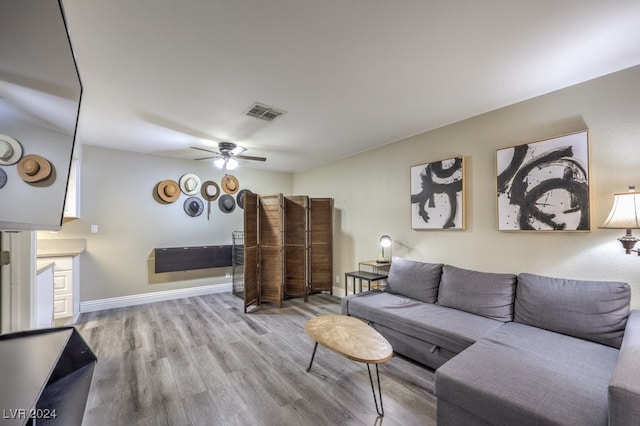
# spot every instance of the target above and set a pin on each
(158, 296)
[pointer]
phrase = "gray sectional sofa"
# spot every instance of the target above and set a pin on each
(513, 349)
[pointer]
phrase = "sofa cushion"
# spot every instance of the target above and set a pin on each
(482, 293)
(447, 328)
(418, 350)
(528, 376)
(414, 279)
(591, 310)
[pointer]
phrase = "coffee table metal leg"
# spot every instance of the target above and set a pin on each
(380, 410)
(313, 355)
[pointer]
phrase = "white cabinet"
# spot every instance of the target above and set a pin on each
(64, 274)
(72, 201)
(44, 297)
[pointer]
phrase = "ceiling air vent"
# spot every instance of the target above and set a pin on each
(264, 112)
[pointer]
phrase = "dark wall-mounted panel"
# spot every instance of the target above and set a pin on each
(174, 259)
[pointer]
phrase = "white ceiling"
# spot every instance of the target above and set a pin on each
(160, 76)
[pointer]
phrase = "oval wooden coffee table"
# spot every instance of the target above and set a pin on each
(353, 339)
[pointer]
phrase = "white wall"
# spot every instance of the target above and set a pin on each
(117, 195)
(372, 192)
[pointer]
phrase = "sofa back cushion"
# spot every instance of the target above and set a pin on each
(482, 293)
(417, 280)
(590, 310)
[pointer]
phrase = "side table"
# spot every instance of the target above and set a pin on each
(361, 276)
(376, 266)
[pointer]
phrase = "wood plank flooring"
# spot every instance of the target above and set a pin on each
(202, 361)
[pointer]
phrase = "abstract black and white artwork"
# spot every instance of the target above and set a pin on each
(544, 186)
(437, 195)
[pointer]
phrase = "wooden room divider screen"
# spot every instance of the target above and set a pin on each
(321, 245)
(250, 264)
(288, 247)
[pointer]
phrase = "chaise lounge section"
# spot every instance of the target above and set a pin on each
(509, 349)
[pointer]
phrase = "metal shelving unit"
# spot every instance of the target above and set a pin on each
(237, 262)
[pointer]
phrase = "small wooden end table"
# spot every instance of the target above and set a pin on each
(353, 339)
(375, 265)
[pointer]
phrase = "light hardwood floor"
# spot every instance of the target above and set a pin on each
(202, 361)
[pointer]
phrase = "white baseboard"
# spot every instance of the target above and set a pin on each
(158, 296)
(338, 291)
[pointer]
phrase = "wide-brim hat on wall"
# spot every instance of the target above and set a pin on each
(240, 197)
(190, 184)
(10, 150)
(34, 168)
(227, 203)
(210, 190)
(230, 184)
(3, 178)
(168, 190)
(193, 206)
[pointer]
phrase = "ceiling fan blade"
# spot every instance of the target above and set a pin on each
(207, 158)
(204, 149)
(249, 157)
(237, 150)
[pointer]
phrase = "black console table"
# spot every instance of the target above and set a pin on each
(45, 377)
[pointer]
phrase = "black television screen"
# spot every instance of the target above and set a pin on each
(40, 93)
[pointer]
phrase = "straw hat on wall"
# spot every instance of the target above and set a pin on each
(230, 184)
(34, 168)
(168, 190)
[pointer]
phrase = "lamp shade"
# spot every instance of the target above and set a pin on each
(231, 164)
(385, 241)
(625, 213)
(226, 163)
(219, 162)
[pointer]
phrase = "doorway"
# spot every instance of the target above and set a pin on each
(5, 284)
(17, 281)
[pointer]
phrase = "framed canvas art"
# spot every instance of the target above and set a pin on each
(437, 195)
(544, 185)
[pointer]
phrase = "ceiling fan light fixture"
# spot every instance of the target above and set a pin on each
(226, 157)
(231, 163)
(219, 162)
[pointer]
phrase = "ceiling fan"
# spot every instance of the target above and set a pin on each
(226, 158)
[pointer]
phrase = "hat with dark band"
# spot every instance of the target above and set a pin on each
(190, 184)
(227, 203)
(210, 190)
(240, 197)
(3, 178)
(10, 150)
(193, 206)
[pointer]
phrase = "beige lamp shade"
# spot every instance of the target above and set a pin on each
(625, 213)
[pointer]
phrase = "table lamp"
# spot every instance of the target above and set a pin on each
(385, 242)
(625, 214)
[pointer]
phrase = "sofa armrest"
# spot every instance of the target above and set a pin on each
(624, 387)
